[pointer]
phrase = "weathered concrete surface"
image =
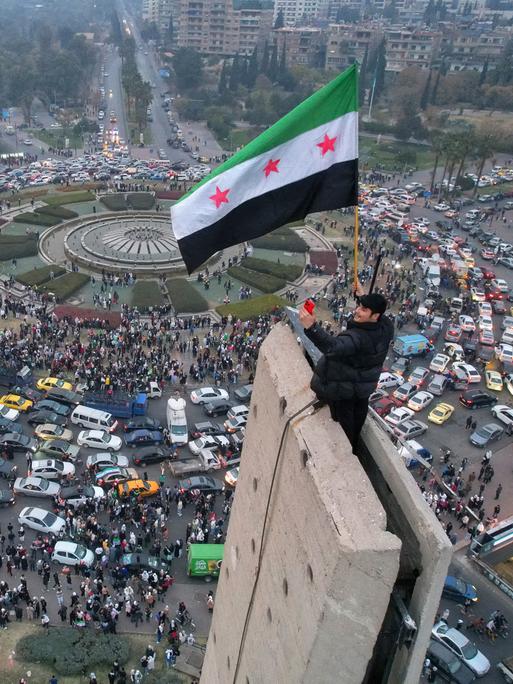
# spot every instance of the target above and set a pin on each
(328, 564)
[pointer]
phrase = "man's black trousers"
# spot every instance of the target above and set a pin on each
(350, 414)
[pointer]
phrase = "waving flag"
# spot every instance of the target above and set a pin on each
(306, 162)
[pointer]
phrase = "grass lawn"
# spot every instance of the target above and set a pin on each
(387, 153)
(492, 189)
(56, 137)
(69, 197)
(134, 134)
(239, 137)
(13, 670)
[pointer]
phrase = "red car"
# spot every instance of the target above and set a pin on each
(487, 274)
(494, 293)
(453, 333)
(384, 406)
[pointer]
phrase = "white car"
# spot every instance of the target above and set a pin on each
(99, 439)
(8, 413)
(202, 395)
(458, 643)
(52, 469)
(399, 415)
(441, 207)
(36, 486)
(106, 459)
(507, 322)
(504, 352)
(208, 442)
(389, 380)
(471, 373)
(508, 381)
(485, 308)
(439, 363)
(420, 400)
(418, 376)
(477, 294)
(41, 520)
(485, 323)
(69, 553)
(500, 284)
(507, 336)
(467, 324)
(503, 413)
(238, 411)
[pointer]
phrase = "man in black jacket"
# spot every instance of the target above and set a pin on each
(348, 373)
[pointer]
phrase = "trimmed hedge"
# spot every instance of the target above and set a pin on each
(17, 246)
(141, 200)
(284, 239)
(262, 281)
(38, 276)
(60, 212)
(146, 293)
(69, 197)
(66, 285)
(252, 308)
(184, 296)
(70, 652)
(286, 271)
(114, 201)
(37, 219)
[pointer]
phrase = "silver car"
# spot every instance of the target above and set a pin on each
(458, 643)
(41, 520)
(36, 486)
(486, 434)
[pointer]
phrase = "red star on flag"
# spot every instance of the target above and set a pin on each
(327, 145)
(220, 196)
(272, 165)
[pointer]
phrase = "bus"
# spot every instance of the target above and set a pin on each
(494, 538)
(176, 419)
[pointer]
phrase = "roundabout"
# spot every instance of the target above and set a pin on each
(141, 242)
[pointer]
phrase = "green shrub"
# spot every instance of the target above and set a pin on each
(262, 281)
(252, 308)
(37, 219)
(38, 276)
(65, 286)
(286, 271)
(284, 239)
(60, 212)
(146, 293)
(184, 296)
(73, 652)
(141, 200)
(69, 197)
(114, 201)
(17, 246)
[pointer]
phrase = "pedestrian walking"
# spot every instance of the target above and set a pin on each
(498, 491)
(468, 424)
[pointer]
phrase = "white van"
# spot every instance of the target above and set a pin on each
(93, 419)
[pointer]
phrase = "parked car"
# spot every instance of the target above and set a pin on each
(204, 483)
(53, 406)
(420, 400)
(52, 469)
(8, 413)
(99, 439)
(144, 437)
(244, 393)
(69, 553)
(503, 413)
(137, 488)
(16, 402)
(458, 643)
(474, 399)
(209, 442)
(40, 417)
(60, 449)
(46, 384)
(439, 363)
(441, 413)
(8, 426)
(418, 376)
(202, 395)
(143, 423)
(486, 434)
(36, 486)
(216, 408)
(48, 431)
(206, 429)
(457, 589)
(41, 520)
(410, 429)
(399, 415)
(106, 459)
(449, 667)
(17, 441)
(77, 495)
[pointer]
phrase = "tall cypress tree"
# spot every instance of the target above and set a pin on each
(363, 76)
(435, 87)
(280, 21)
(381, 64)
(264, 67)
(424, 100)
(223, 79)
(273, 64)
(282, 65)
(234, 74)
(253, 68)
(484, 71)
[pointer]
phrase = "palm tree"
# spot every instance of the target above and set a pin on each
(466, 145)
(438, 145)
(486, 144)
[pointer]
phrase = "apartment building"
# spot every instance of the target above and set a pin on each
(298, 11)
(158, 12)
(471, 48)
(411, 47)
(304, 45)
(214, 27)
(347, 43)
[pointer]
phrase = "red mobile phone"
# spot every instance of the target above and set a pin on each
(310, 306)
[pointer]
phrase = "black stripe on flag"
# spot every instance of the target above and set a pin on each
(334, 188)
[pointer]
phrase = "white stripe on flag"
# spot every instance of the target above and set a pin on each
(299, 158)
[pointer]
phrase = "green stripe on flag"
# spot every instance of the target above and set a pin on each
(335, 99)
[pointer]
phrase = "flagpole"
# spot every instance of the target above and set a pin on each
(355, 248)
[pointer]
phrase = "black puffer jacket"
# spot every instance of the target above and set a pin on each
(352, 361)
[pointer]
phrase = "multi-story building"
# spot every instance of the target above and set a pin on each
(347, 43)
(157, 12)
(304, 45)
(214, 27)
(411, 47)
(472, 48)
(297, 11)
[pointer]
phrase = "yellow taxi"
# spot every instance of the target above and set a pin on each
(46, 384)
(494, 380)
(48, 431)
(137, 488)
(14, 401)
(441, 413)
(470, 261)
(232, 476)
